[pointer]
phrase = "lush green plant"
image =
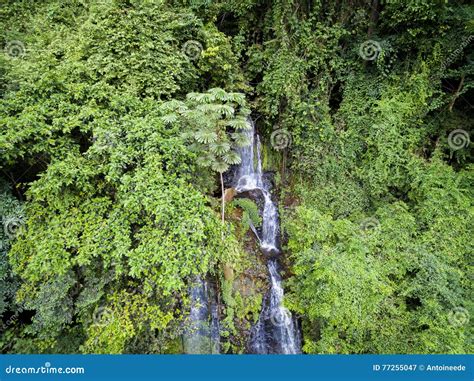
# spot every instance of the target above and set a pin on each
(110, 143)
(213, 123)
(250, 212)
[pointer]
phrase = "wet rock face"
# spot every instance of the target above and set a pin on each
(229, 176)
(268, 180)
(256, 195)
(275, 331)
(229, 194)
(270, 252)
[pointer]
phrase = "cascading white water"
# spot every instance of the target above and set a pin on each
(250, 179)
(202, 334)
(285, 334)
(247, 177)
(276, 330)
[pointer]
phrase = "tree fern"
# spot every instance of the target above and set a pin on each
(203, 136)
(219, 166)
(239, 124)
(232, 158)
(211, 120)
(240, 140)
(170, 118)
(219, 148)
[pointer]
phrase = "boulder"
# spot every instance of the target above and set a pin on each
(256, 195)
(229, 194)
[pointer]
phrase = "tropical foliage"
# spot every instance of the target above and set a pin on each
(120, 120)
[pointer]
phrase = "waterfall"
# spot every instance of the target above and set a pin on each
(276, 330)
(202, 333)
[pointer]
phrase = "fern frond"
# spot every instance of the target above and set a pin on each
(232, 158)
(240, 123)
(169, 118)
(204, 136)
(219, 166)
(219, 148)
(240, 140)
(250, 211)
(226, 110)
(219, 94)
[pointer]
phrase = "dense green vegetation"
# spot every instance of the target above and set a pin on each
(119, 119)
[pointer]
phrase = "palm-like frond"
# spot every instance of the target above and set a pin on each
(238, 98)
(205, 160)
(240, 139)
(186, 135)
(173, 105)
(200, 98)
(192, 96)
(219, 94)
(210, 108)
(169, 118)
(219, 147)
(232, 158)
(239, 124)
(226, 110)
(219, 166)
(204, 136)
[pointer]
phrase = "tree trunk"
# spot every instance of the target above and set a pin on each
(223, 198)
(374, 17)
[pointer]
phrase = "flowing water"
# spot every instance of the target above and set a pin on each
(276, 330)
(202, 334)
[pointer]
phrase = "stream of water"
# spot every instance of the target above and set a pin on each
(276, 330)
(202, 335)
